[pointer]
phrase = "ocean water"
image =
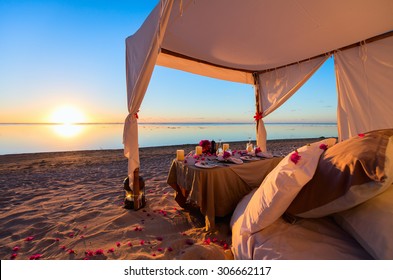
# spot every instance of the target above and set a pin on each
(32, 138)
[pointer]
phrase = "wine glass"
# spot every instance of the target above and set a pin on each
(219, 149)
(249, 147)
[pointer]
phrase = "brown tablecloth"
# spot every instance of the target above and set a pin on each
(217, 191)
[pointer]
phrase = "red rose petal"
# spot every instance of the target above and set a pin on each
(99, 252)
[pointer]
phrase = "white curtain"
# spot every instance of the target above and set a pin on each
(365, 88)
(275, 87)
(142, 50)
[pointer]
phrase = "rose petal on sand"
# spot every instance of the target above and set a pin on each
(99, 252)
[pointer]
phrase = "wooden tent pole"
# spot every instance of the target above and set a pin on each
(136, 189)
(257, 99)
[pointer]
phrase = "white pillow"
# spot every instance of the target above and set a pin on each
(348, 174)
(281, 186)
(371, 224)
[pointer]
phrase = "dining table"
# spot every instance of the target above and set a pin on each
(216, 187)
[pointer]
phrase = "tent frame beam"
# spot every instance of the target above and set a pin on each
(182, 56)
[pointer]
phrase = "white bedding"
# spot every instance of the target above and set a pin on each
(308, 239)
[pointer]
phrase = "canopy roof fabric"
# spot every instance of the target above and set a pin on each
(256, 35)
(242, 40)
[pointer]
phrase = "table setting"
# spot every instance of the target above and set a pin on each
(215, 177)
(209, 154)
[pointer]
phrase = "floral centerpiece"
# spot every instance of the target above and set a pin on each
(206, 145)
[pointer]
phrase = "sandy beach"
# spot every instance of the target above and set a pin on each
(69, 205)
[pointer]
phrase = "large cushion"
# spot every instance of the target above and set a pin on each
(281, 186)
(348, 174)
(371, 224)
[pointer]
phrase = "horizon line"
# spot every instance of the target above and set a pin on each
(95, 123)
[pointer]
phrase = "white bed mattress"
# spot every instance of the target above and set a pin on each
(319, 239)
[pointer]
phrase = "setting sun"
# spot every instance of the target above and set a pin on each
(67, 115)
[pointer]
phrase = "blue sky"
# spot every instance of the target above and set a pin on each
(56, 53)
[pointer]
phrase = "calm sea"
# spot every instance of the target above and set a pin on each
(32, 138)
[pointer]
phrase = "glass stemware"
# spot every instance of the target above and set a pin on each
(219, 148)
(249, 146)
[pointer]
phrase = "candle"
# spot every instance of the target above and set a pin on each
(249, 147)
(180, 154)
(198, 150)
(225, 147)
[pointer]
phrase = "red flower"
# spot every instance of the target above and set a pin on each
(111, 250)
(63, 247)
(295, 157)
(225, 246)
(16, 248)
(258, 116)
(118, 244)
(99, 252)
(207, 241)
(323, 147)
(29, 238)
(138, 228)
(70, 251)
(129, 244)
(257, 150)
(159, 238)
(89, 253)
(170, 249)
(13, 256)
(159, 249)
(142, 242)
(35, 257)
(361, 134)
(205, 145)
(71, 234)
(226, 155)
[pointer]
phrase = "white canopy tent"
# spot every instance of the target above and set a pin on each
(275, 45)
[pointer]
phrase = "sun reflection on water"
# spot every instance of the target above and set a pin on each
(68, 130)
